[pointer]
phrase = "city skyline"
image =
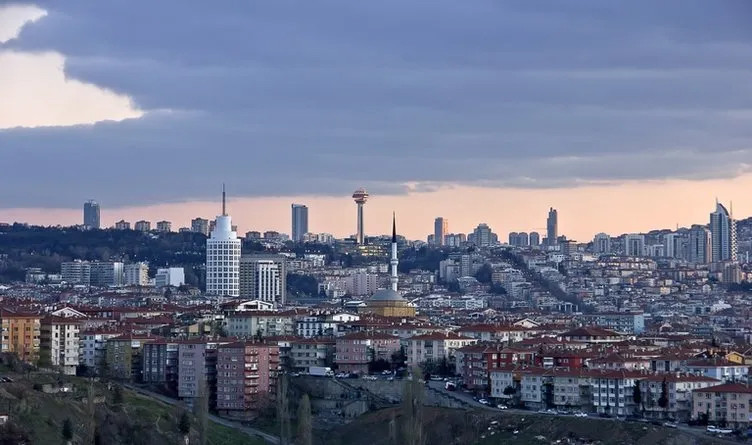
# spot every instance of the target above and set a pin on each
(577, 220)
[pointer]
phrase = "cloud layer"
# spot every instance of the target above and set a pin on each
(287, 97)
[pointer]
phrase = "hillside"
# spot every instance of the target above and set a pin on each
(138, 420)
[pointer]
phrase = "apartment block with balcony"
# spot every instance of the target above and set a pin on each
(60, 343)
(308, 352)
(730, 403)
(246, 376)
(20, 334)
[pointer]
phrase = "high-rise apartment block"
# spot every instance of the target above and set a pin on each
(106, 273)
(170, 276)
(602, 243)
(699, 245)
(59, 343)
(534, 239)
(455, 239)
(246, 375)
(299, 222)
(482, 236)
(440, 229)
(634, 245)
(123, 225)
(552, 227)
(136, 274)
(263, 277)
(164, 226)
(142, 226)
(200, 225)
(76, 272)
(723, 235)
(91, 215)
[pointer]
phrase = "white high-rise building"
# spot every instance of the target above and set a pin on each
(264, 277)
(602, 243)
(634, 244)
(223, 257)
(723, 235)
(136, 274)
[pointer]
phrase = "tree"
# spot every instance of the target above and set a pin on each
(637, 394)
(283, 410)
(91, 413)
(12, 434)
(184, 425)
(117, 396)
(412, 409)
(201, 411)
(305, 436)
(67, 430)
(663, 399)
(509, 391)
(483, 275)
(399, 357)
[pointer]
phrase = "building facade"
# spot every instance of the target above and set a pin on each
(223, 257)
(60, 343)
(263, 277)
(299, 222)
(246, 375)
(91, 215)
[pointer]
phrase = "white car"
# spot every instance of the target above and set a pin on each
(502, 406)
(580, 414)
(483, 402)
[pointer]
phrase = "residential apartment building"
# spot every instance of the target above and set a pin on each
(123, 356)
(246, 375)
(142, 226)
(21, 334)
(197, 366)
(679, 388)
(106, 273)
(171, 276)
(623, 322)
(59, 343)
(160, 363)
(93, 348)
(260, 323)
(355, 350)
(435, 346)
(136, 274)
(76, 272)
(308, 352)
(323, 325)
(730, 403)
(263, 277)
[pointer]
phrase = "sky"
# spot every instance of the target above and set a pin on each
(625, 116)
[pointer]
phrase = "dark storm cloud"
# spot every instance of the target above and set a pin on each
(280, 98)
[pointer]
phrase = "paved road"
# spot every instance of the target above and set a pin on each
(465, 397)
(228, 423)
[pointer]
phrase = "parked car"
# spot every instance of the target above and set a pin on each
(483, 402)
(670, 425)
(580, 414)
(500, 406)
